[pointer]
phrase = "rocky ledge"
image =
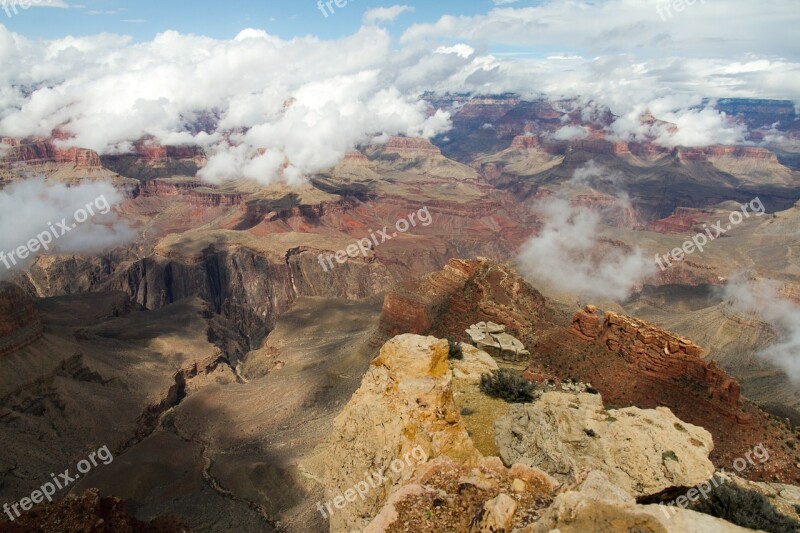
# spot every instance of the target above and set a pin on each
(570, 465)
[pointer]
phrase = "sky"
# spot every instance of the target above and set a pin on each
(221, 20)
(284, 91)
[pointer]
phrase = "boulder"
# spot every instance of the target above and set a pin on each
(497, 515)
(644, 451)
(493, 339)
(475, 363)
(599, 505)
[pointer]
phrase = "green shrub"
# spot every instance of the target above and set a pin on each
(455, 350)
(745, 508)
(508, 385)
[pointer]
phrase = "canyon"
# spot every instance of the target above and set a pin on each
(222, 364)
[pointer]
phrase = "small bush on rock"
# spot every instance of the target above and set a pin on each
(456, 352)
(508, 385)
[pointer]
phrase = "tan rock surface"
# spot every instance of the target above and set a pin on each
(475, 363)
(641, 450)
(405, 401)
(599, 506)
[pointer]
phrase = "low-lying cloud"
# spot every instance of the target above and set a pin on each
(763, 299)
(568, 255)
(33, 206)
(263, 108)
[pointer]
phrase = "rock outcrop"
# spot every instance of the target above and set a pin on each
(465, 292)
(405, 403)
(633, 363)
(38, 151)
(586, 323)
(89, 512)
(411, 145)
(474, 363)
(598, 505)
(443, 495)
(643, 451)
(493, 339)
(660, 352)
(404, 406)
(656, 352)
(20, 323)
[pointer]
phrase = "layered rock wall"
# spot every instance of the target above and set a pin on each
(656, 352)
(41, 151)
(20, 323)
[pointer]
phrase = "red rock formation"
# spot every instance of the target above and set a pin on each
(410, 144)
(523, 142)
(37, 151)
(150, 150)
(681, 221)
(197, 194)
(413, 307)
(664, 355)
(79, 157)
(586, 324)
(601, 147)
(356, 156)
(20, 323)
(742, 152)
(646, 149)
(465, 292)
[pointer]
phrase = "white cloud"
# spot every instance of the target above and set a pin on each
(386, 14)
(287, 98)
(762, 298)
(568, 253)
(723, 28)
(306, 101)
(570, 133)
(31, 207)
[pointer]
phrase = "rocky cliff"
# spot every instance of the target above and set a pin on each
(405, 403)
(402, 428)
(37, 151)
(466, 292)
(624, 358)
(633, 363)
(20, 323)
(658, 353)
